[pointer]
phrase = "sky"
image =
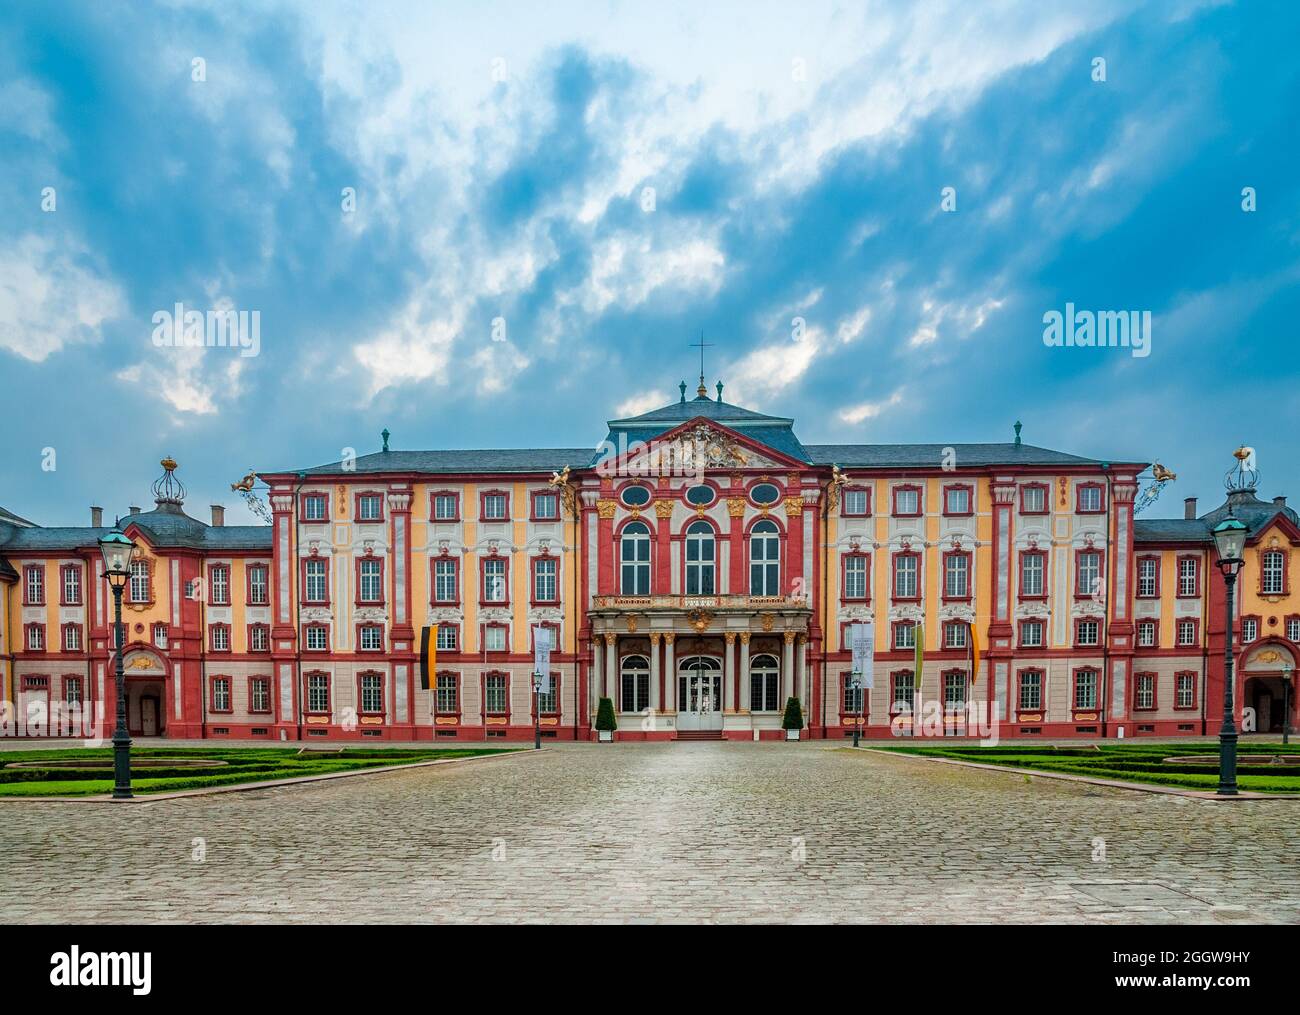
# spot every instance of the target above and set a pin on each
(499, 225)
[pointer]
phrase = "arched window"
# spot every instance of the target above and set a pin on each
(700, 560)
(636, 684)
(699, 685)
(635, 553)
(764, 684)
(765, 559)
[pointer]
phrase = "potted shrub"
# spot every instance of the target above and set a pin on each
(792, 721)
(605, 722)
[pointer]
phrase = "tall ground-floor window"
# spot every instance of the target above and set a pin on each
(764, 684)
(636, 684)
(496, 693)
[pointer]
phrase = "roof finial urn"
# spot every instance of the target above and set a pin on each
(719, 391)
(1017, 429)
(167, 489)
(682, 387)
(385, 435)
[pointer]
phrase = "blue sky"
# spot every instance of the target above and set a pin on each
(608, 183)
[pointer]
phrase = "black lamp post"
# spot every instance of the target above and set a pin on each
(1287, 673)
(118, 552)
(1230, 541)
(855, 681)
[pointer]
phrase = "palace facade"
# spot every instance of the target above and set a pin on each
(700, 568)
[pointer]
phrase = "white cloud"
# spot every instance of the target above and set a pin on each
(854, 414)
(51, 298)
(642, 401)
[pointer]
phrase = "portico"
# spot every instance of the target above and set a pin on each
(724, 663)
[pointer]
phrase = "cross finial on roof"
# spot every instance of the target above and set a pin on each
(702, 391)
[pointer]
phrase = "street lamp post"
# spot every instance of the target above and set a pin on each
(1286, 703)
(118, 552)
(1230, 541)
(537, 711)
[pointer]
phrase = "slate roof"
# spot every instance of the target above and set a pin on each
(1170, 530)
(775, 432)
(13, 519)
(860, 456)
(1255, 513)
(164, 527)
(7, 571)
(466, 461)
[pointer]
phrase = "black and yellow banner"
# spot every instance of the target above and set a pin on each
(428, 657)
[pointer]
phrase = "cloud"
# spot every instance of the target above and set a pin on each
(855, 414)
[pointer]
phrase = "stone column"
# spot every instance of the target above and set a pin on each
(787, 669)
(729, 672)
(745, 697)
(611, 669)
(596, 675)
(670, 672)
(654, 671)
(801, 672)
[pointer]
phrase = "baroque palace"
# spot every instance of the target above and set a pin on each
(699, 569)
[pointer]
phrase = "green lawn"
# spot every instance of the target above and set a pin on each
(1131, 762)
(242, 765)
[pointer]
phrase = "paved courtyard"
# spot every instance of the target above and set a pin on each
(659, 832)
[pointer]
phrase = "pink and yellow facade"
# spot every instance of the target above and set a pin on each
(701, 569)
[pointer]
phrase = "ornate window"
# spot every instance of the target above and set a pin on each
(446, 507)
(1090, 498)
(221, 695)
(1087, 633)
(764, 684)
(496, 506)
(907, 501)
(445, 585)
(546, 506)
(1033, 499)
(1144, 692)
(902, 694)
(856, 570)
(370, 507)
(907, 568)
(852, 699)
(1031, 634)
(71, 585)
(315, 582)
(160, 635)
(1087, 574)
(545, 586)
(259, 694)
(219, 585)
(1189, 577)
(141, 588)
(71, 637)
(856, 502)
(904, 635)
(371, 693)
(447, 697)
(496, 693)
(634, 551)
(370, 637)
(1085, 689)
(315, 507)
(1186, 631)
(1249, 629)
(370, 580)
(635, 684)
(954, 634)
(1148, 633)
(957, 500)
(765, 559)
(1272, 573)
(1031, 690)
(448, 637)
(700, 556)
(258, 585)
(954, 691)
(635, 496)
(318, 693)
(1148, 577)
(764, 494)
(494, 580)
(956, 576)
(259, 638)
(1184, 690)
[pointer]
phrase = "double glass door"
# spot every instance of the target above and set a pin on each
(699, 695)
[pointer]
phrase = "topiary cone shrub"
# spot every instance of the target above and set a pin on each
(793, 718)
(605, 716)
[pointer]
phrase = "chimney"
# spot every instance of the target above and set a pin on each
(96, 517)
(133, 509)
(1189, 507)
(218, 515)
(1279, 501)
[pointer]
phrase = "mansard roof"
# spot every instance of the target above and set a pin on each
(458, 461)
(1170, 530)
(13, 519)
(1257, 515)
(929, 456)
(166, 527)
(775, 432)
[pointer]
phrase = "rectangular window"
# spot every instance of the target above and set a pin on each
(546, 507)
(954, 635)
(317, 638)
(855, 502)
(221, 694)
(1272, 578)
(1085, 690)
(1031, 690)
(318, 692)
(903, 693)
(258, 585)
(496, 693)
(494, 638)
(259, 694)
(1189, 577)
(35, 586)
(219, 585)
(444, 581)
(315, 586)
(220, 638)
(259, 638)
(1088, 579)
(36, 637)
(1031, 575)
(954, 691)
(1031, 634)
(444, 507)
(1144, 691)
(72, 586)
(1249, 629)
(448, 637)
(1087, 632)
(370, 585)
(855, 577)
(494, 506)
(160, 635)
(494, 580)
(1089, 498)
(905, 568)
(852, 697)
(1293, 628)
(904, 635)
(956, 576)
(315, 507)
(907, 501)
(1185, 684)
(372, 693)
(370, 507)
(548, 701)
(1148, 571)
(1186, 632)
(1146, 633)
(544, 580)
(956, 500)
(372, 638)
(72, 690)
(72, 638)
(447, 701)
(141, 591)
(1033, 500)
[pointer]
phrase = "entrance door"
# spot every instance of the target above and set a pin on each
(149, 717)
(699, 694)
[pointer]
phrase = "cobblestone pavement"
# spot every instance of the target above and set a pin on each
(659, 832)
